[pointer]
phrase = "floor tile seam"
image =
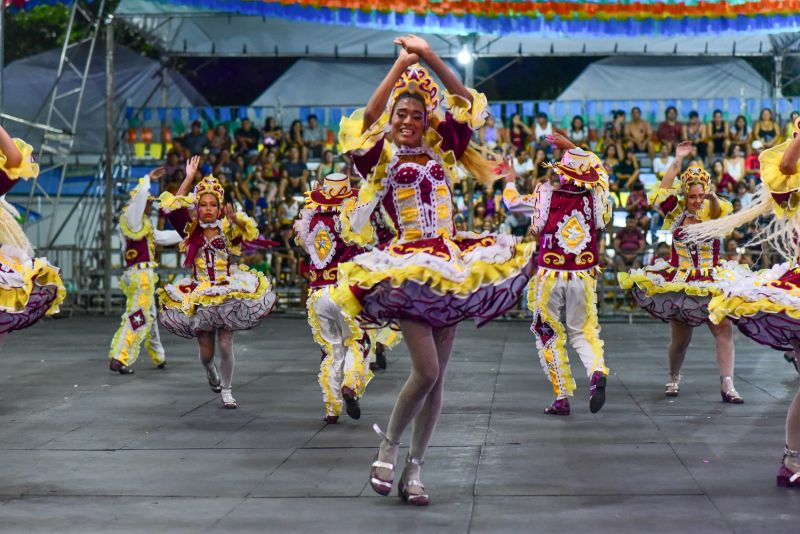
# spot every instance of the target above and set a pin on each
(236, 430)
(243, 384)
(589, 494)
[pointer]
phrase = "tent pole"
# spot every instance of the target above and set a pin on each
(778, 81)
(109, 170)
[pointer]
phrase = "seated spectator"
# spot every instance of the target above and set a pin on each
(285, 254)
(519, 132)
(479, 214)
(695, 131)
(220, 140)
(247, 138)
(327, 166)
(518, 223)
(271, 133)
(663, 161)
(287, 209)
(523, 165)
(670, 131)
(638, 206)
(766, 129)
(196, 142)
(294, 175)
(489, 136)
(734, 163)
(627, 170)
(179, 148)
(724, 181)
(172, 165)
(314, 137)
(541, 129)
(610, 162)
(740, 135)
(732, 253)
(718, 134)
(752, 166)
(296, 139)
(578, 133)
(540, 172)
(226, 167)
(788, 129)
(638, 133)
(614, 131)
(629, 246)
(662, 252)
(743, 194)
(255, 205)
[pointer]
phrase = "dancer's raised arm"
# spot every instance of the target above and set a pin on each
(9, 148)
(191, 172)
(681, 151)
(420, 47)
(378, 100)
(791, 157)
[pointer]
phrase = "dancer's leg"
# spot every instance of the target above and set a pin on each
(153, 340)
(206, 353)
(793, 425)
(582, 325)
(227, 361)
(423, 377)
(681, 337)
(723, 335)
(547, 300)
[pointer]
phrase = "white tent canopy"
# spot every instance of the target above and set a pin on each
(181, 30)
(27, 84)
(667, 78)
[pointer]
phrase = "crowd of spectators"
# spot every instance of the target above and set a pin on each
(266, 171)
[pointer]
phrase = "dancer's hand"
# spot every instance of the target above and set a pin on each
(157, 173)
(230, 213)
(406, 58)
(683, 149)
(191, 166)
(414, 45)
(559, 141)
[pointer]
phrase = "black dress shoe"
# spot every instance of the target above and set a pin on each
(161, 365)
(119, 367)
(380, 358)
(351, 403)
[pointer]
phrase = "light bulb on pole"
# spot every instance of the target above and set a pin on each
(464, 57)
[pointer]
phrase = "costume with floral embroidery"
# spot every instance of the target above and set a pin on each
(567, 222)
(681, 288)
(220, 294)
(139, 281)
(345, 345)
(428, 272)
(30, 287)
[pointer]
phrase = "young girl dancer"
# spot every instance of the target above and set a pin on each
(679, 290)
(29, 287)
(428, 278)
(221, 297)
(766, 305)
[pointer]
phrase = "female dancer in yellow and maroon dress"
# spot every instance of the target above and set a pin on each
(428, 278)
(30, 287)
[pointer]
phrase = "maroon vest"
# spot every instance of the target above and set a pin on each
(568, 241)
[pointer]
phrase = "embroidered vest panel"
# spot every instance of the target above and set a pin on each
(568, 240)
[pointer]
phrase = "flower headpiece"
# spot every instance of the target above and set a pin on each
(696, 175)
(417, 81)
(209, 186)
(582, 168)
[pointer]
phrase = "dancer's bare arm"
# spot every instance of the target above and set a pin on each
(7, 146)
(377, 102)
(420, 47)
(191, 171)
(681, 151)
(790, 157)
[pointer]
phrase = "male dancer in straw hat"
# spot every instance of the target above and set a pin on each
(567, 221)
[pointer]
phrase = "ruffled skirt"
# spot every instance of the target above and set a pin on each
(30, 288)
(436, 281)
(672, 294)
(189, 309)
(764, 305)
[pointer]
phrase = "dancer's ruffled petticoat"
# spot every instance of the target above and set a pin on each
(30, 288)
(436, 281)
(672, 294)
(189, 309)
(764, 305)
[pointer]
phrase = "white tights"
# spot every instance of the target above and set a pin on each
(227, 360)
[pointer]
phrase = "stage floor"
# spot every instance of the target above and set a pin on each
(86, 450)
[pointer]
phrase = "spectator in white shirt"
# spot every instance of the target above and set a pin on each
(663, 161)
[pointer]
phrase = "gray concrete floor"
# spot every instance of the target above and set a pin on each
(87, 450)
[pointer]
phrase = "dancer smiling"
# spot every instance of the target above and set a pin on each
(429, 278)
(766, 305)
(220, 297)
(30, 287)
(679, 290)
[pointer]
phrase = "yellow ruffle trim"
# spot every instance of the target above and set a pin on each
(27, 169)
(777, 182)
(660, 194)
(191, 300)
(42, 274)
(147, 226)
(465, 112)
(168, 202)
(640, 279)
(737, 307)
(481, 274)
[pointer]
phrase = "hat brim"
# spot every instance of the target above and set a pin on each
(590, 178)
(319, 196)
